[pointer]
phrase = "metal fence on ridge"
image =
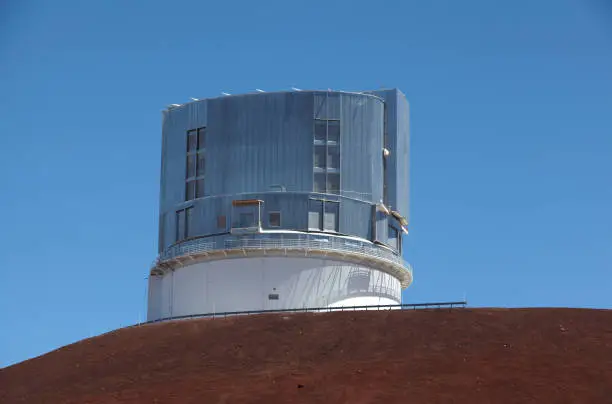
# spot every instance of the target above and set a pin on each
(382, 307)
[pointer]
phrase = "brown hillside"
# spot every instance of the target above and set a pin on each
(425, 356)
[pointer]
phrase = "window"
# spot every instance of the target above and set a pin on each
(246, 215)
(333, 131)
(330, 216)
(221, 222)
(196, 164)
(247, 219)
(274, 219)
(333, 183)
(333, 157)
(315, 209)
(184, 223)
(326, 156)
(393, 238)
(319, 156)
(320, 130)
(323, 215)
(319, 182)
(199, 188)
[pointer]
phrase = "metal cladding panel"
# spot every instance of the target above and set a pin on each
(382, 224)
(356, 218)
(207, 212)
(293, 208)
(327, 105)
(256, 141)
(398, 129)
(361, 141)
(403, 155)
(259, 143)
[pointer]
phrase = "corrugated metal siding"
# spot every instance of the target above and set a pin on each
(356, 218)
(403, 155)
(327, 105)
(255, 141)
(398, 128)
(361, 132)
(382, 223)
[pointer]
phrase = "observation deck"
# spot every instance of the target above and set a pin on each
(284, 244)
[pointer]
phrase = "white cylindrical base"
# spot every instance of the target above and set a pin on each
(267, 283)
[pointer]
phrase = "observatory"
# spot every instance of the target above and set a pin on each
(282, 200)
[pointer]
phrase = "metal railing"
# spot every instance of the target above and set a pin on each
(412, 306)
(301, 243)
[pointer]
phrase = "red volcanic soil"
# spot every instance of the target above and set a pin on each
(423, 356)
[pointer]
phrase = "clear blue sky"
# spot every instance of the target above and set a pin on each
(511, 119)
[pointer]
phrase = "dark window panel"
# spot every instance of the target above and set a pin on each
(201, 165)
(188, 222)
(201, 138)
(319, 183)
(333, 131)
(221, 222)
(275, 219)
(333, 183)
(180, 225)
(190, 190)
(320, 130)
(333, 157)
(192, 141)
(191, 166)
(247, 219)
(199, 188)
(319, 156)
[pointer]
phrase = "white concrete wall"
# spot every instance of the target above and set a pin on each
(244, 284)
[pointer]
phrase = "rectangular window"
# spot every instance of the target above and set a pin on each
(315, 214)
(246, 215)
(314, 221)
(319, 183)
(326, 156)
(195, 164)
(180, 225)
(333, 183)
(274, 219)
(320, 130)
(330, 217)
(190, 190)
(319, 157)
(333, 157)
(184, 224)
(247, 219)
(333, 131)
(200, 167)
(192, 141)
(392, 238)
(188, 222)
(191, 166)
(323, 215)
(199, 188)
(221, 222)
(201, 137)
